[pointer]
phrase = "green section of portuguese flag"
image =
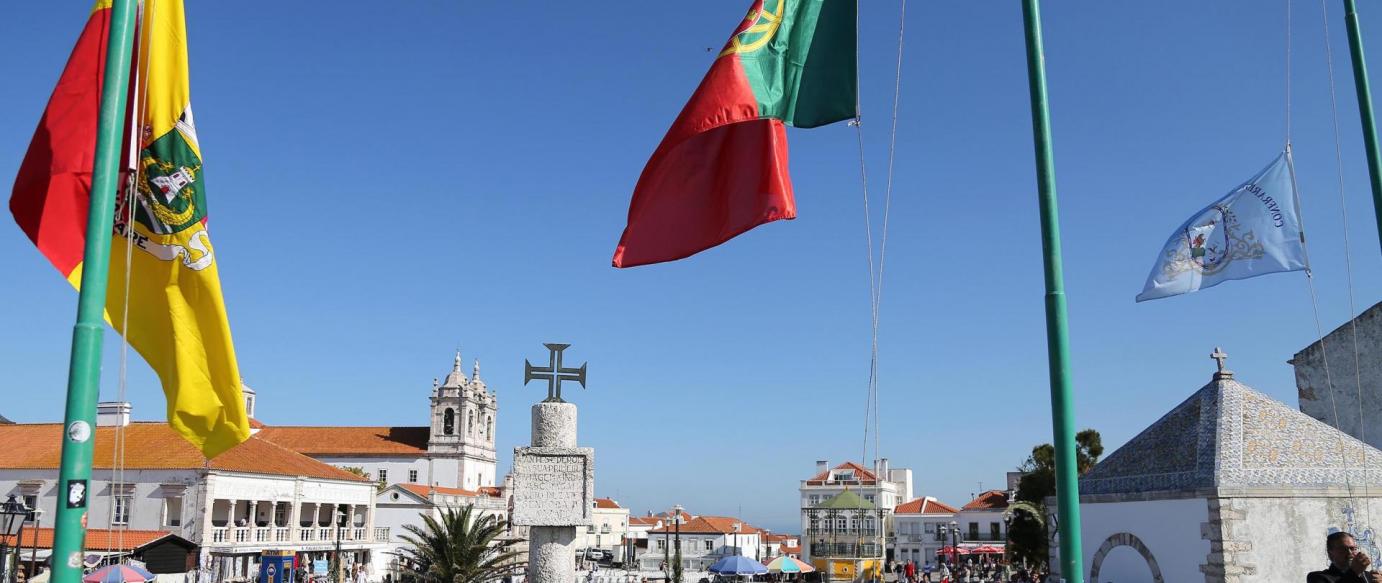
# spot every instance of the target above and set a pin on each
(799, 57)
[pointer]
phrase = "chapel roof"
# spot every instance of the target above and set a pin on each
(1229, 435)
(607, 503)
(154, 445)
(846, 500)
(925, 505)
(326, 441)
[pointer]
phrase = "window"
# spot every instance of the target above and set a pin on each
(172, 511)
(604, 528)
(470, 423)
(30, 502)
(121, 509)
(973, 530)
(994, 531)
(930, 527)
(869, 497)
(383, 476)
(412, 476)
(280, 514)
(590, 529)
(448, 422)
(815, 499)
(661, 544)
(709, 546)
(842, 524)
(489, 428)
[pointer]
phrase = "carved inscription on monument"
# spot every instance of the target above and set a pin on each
(552, 489)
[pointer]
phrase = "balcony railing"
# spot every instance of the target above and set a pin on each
(287, 534)
(357, 534)
(381, 534)
(846, 550)
(218, 534)
(283, 534)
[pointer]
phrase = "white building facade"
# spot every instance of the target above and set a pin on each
(882, 487)
(918, 526)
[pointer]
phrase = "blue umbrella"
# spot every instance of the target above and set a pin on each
(737, 565)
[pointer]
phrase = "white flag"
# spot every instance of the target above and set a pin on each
(1253, 230)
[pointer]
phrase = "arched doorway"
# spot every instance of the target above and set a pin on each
(1124, 539)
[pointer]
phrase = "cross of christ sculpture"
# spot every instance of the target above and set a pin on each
(554, 373)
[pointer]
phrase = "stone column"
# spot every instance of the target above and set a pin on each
(553, 492)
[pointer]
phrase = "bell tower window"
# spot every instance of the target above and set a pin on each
(448, 422)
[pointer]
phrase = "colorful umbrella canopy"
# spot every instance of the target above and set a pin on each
(951, 551)
(986, 549)
(786, 564)
(119, 574)
(737, 565)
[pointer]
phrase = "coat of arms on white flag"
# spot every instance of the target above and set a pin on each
(1253, 230)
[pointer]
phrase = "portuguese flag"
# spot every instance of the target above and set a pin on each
(176, 315)
(722, 168)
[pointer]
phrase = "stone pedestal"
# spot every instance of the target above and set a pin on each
(554, 490)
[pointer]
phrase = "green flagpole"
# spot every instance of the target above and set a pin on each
(1057, 335)
(84, 370)
(1360, 82)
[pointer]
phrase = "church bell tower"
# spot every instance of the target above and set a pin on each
(461, 437)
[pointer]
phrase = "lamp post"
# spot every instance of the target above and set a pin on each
(954, 545)
(12, 515)
(666, 554)
(33, 550)
(340, 527)
(735, 527)
(676, 569)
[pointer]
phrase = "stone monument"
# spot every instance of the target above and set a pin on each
(553, 479)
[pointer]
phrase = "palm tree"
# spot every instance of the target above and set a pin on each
(461, 547)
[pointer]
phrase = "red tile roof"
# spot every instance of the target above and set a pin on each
(990, 500)
(925, 505)
(155, 446)
(606, 503)
(709, 524)
(861, 473)
(256, 424)
(644, 520)
(350, 441)
(96, 540)
(422, 491)
(791, 550)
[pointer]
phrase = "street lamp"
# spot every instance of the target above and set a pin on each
(340, 527)
(33, 551)
(12, 516)
(954, 545)
(676, 569)
(736, 526)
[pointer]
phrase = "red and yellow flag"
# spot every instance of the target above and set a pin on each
(177, 318)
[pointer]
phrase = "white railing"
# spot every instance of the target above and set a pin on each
(381, 534)
(262, 534)
(306, 534)
(242, 534)
(282, 534)
(359, 534)
(325, 533)
(218, 534)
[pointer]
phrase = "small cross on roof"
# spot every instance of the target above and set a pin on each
(1219, 357)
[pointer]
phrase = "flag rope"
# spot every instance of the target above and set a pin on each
(871, 407)
(1348, 257)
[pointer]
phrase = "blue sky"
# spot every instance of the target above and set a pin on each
(387, 183)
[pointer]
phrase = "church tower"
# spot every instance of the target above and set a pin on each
(461, 436)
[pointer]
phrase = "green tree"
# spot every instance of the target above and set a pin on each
(461, 547)
(1027, 529)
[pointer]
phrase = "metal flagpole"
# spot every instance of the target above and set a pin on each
(1057, 335)
(84, 370)
(1360, 82)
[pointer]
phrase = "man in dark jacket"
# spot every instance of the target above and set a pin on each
(1347, 564)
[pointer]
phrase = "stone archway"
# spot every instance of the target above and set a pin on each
(1124, 539)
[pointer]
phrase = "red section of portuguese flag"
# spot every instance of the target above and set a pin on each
(52, 191)
(719, 171)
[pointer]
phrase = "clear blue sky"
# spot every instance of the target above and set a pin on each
(389, 182)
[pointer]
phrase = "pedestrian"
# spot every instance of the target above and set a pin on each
(1347, 563)
(911, 571)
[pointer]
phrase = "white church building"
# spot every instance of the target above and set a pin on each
(1230, 486)
(283, 489)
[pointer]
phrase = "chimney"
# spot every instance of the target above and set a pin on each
(822, 466)
(113, 414)
(883, 469)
